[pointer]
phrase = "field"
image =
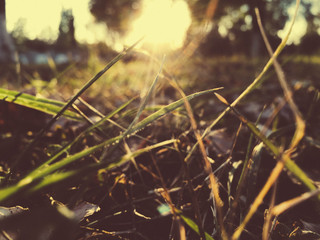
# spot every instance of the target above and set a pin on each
(133, 146)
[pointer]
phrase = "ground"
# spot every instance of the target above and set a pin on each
(136, 189)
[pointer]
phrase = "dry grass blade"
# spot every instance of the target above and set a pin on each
(275, 211)
(207, 165)
(300, 124)
(272, 178)
(284, 206)
(166, 196)
(221, 99)
(267, 226)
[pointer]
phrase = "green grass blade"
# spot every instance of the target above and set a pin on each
(166, 109)
(145, 101)
(10, 191)
(48, 106)
(45, 170)
(107, 117)
(289, 163)
(194, 226)
(89, 83)
(55, 177)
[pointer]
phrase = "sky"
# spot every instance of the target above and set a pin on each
(41, 19)
(158, 30)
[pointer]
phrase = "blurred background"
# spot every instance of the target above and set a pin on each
(34, 32)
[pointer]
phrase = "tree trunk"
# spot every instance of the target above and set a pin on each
(256, 39)
(7, 49)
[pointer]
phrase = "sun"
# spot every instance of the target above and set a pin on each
(163, 23)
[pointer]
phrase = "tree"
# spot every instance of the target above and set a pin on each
(310, 43)
(236, 21)
(7, 49)
(66, 38)
(116, 14)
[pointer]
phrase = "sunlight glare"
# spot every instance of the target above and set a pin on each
(300, 26)
(43, 21)
(164, 24)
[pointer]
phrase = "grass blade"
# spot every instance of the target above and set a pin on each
(194, 226)
(166, 109)
(57, 177)
(48, 106)
(145, 100)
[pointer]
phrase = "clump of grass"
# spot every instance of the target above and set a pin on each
(152, 169)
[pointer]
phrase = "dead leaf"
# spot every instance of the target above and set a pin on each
(84, 209)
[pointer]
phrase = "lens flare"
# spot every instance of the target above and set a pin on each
(164, 24)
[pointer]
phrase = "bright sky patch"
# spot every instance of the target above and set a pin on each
(164, 23)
